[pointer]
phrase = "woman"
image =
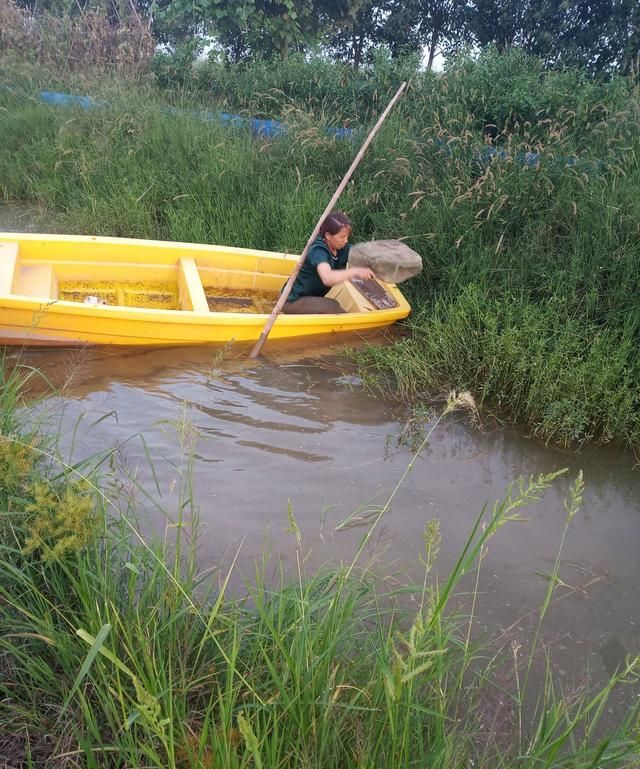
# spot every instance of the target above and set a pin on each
(325, 266)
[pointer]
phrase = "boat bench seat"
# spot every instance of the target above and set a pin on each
(37, 280)
(349, 298)
(358, 295)
(191, 294)
(8, 261)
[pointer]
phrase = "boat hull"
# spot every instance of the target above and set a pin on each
(44, 264)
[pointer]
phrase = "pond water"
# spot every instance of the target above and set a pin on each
(296, 429)
(21, 218)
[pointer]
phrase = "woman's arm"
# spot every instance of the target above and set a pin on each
(332, 277)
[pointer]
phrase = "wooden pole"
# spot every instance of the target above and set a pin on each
(287, 289)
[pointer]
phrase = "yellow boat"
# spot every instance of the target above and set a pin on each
(66, 289)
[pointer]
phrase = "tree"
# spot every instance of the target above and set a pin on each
(631, 57)
(278, 26)
(402, 31)
(439, 24)
(362, 29)
(596, 34)
(532, 25)
(350, 28)
(190, 21)
(246, 29)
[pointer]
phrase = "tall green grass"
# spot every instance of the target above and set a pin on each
(116, 651)
(553, 245)
(568, 379)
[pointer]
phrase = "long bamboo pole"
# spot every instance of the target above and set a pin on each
(287, 289)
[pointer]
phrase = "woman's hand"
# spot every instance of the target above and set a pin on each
(332, 277)
(364, 273)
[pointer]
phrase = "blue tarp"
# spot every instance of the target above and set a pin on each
(68, 100)
(266, 129)
(524, 158)
(488, 154)
(271, 129)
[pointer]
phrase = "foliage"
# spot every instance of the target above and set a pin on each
(568, 380)
(509, 90)
(595, 35)
(16, 463)
(598, 35)
(257, 29)
(174, 69)
(440, 25)
(354, 38)
(601, 36)
(66, 42)
(533, 25)
(59, 519)
(274, 89)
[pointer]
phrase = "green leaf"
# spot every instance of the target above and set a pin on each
(88, 661)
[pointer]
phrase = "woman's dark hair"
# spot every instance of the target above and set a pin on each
(334, 223)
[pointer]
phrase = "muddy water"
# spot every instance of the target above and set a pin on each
(22, 218)
(290, 430)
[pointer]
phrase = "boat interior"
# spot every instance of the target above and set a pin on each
(224, 281)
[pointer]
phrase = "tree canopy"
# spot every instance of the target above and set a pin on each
(601, 35)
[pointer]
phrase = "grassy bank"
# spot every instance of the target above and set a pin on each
(532, 242)
(118, 652)
(569, 379)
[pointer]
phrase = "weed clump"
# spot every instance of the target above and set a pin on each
(17, 460)
(59, 521)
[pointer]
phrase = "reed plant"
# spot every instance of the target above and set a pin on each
(65, 42)
(116, 650)
(569, 380)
